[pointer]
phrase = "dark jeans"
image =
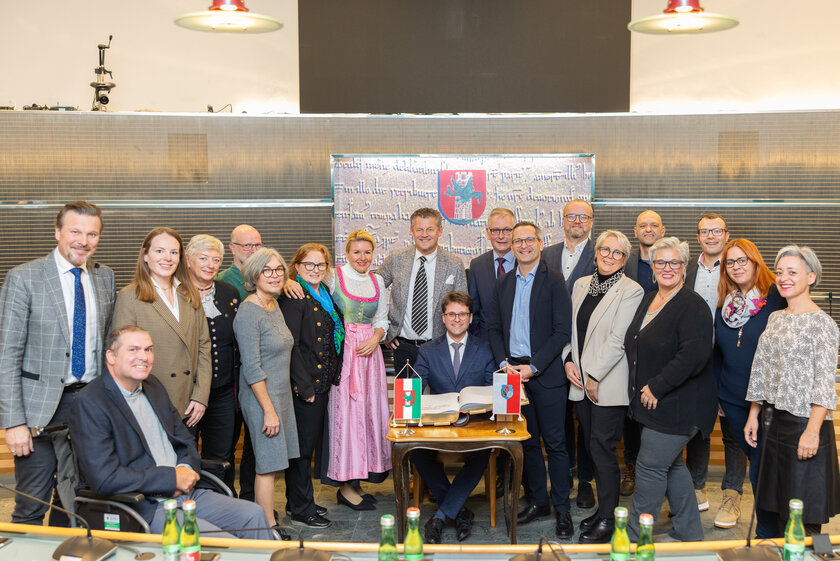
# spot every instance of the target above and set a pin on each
(736, 415)
(35, 475)
(310, 428)
(215, 430)
(602, 427)
(545, 415)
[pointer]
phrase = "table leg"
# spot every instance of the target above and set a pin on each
(399, 459)
(515, 450)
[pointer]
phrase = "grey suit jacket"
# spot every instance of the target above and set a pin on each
(36, 341)
(396, 272)
(603, 356)
(182, 348)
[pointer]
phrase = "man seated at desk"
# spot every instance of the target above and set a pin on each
(449, 364)
(129, 438)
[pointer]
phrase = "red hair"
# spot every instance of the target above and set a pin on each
(764, 277)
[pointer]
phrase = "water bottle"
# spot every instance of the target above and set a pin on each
(387, 545)
(413, 545)
(644, 549)
(171, 535)
(795, 533)
(190, 547)
(620, 542)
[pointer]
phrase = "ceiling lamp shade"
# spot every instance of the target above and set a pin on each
(228, 16)
(682, 17)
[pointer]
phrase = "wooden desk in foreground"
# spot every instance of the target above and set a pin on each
(478, 434)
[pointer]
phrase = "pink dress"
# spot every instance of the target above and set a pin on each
(358, 406)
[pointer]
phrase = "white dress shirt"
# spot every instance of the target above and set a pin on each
(706, 282)
(173, 306)
(407, 332)
(570, 258)
(449, 341)
(68, 290)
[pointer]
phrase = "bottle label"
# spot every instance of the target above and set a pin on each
(171, 553)
(794, 552)
(192, 553)
(619, 556)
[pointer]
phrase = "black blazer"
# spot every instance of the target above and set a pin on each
(481, 279)
(112, 451)
(225, 353)
(435, 367)
(631, 268)
(551, 323)
(315, 365)
(553, 256)
(673, 356)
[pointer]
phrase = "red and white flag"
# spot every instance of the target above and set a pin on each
(507, 393)
(407, 399)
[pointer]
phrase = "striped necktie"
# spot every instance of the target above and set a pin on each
(419, 311)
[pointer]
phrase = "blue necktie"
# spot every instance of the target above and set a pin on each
(79, 322)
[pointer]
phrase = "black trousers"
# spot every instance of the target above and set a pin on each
(546, 416)
(406, 351)
(248, 464)
(602, 428)
(310, 429)
(215, 430)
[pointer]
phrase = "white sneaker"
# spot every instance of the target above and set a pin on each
(730, 509)
(702, 500)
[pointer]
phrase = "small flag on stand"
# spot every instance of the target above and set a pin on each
(407, 393)
(507, 393)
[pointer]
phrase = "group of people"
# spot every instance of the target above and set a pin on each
(645, 344)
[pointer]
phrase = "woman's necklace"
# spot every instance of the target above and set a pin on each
(260, 300)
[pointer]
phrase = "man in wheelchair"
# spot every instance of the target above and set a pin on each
(129, 438)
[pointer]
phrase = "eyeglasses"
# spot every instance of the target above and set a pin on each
(248, 246)
(268, 272)
(523, 241)
(500, 231)
(674, 264)
(310, 266)
(577, 217)
(741, 261)
(606, 252)
(714, 231)
(457, 315)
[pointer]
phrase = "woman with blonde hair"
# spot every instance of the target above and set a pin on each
(163, 300)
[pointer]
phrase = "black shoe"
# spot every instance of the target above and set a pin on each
(533, 512)
(463, 524)
(363, 505)
(585, 496)
(319, 510)
(589, 521)
(432, 530)
(599, 533)
(370, 498)
(565, 529)
(313, 521)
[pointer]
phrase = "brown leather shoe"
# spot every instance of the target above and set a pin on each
(628, 483)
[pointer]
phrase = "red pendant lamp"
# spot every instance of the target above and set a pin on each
(228, 16)
(683, 17)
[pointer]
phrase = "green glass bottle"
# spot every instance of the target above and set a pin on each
(190, 546)
(413, 544)
(795, 533)
(644, 549)
(620, 542)
(387, 545)
(171, 536)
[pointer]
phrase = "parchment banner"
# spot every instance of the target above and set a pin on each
(379, 192)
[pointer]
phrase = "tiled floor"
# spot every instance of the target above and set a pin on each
(351, 526)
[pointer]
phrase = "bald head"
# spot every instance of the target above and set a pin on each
(648, 228)
(244, 240)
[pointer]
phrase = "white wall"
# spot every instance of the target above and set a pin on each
(48, 54)
(783, 55)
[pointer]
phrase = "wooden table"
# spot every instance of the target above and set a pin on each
(478, 434)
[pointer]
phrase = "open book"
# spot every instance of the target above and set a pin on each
(445, 408)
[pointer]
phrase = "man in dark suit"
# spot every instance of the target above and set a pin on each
(54, 314)
(487, 267)
(130, 438)
(450, 363)
(574, 257)
(530, 326)
(648, 229)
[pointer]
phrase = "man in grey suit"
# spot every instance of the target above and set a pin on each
(419, 277)
(54, 314)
